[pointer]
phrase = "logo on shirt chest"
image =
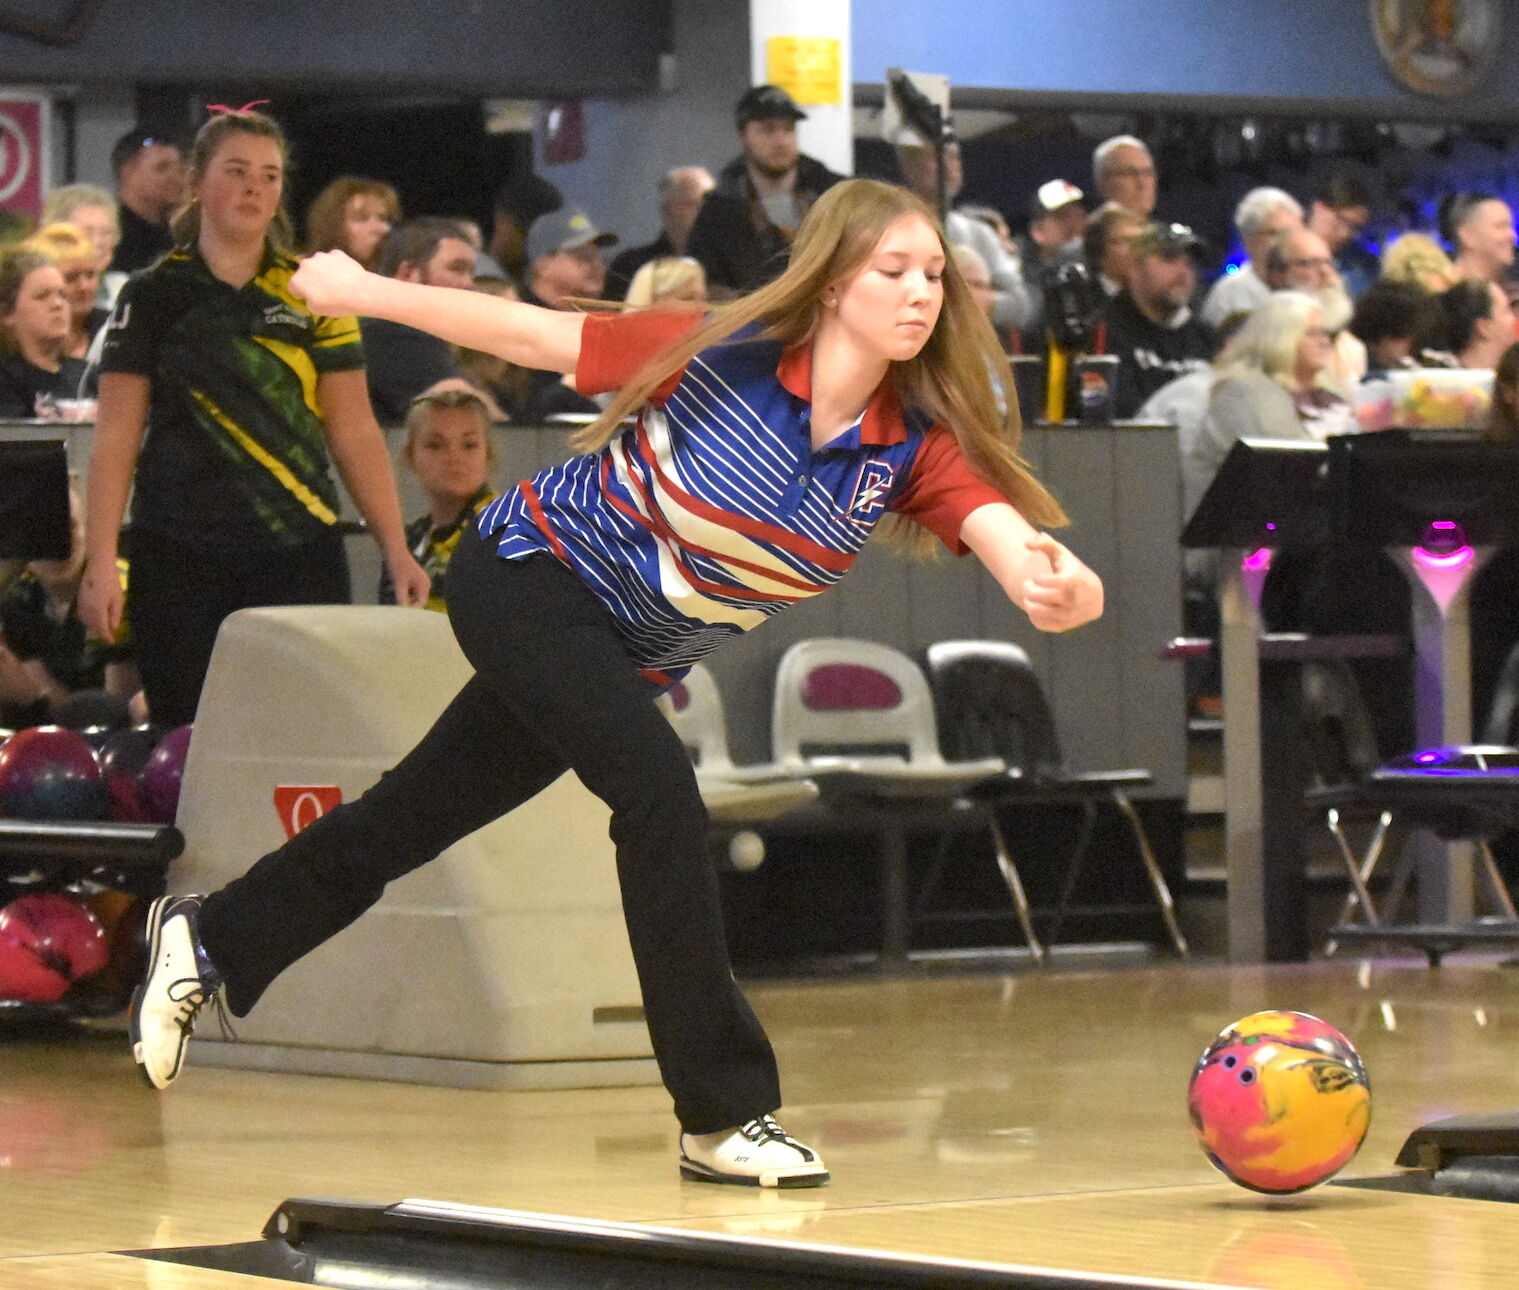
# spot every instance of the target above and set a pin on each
(872, 488)
(283, 316)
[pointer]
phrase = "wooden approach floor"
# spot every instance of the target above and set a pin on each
(1028, 1118)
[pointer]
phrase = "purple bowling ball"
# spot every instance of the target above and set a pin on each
(123, 758)
(162, 775)
(50, 773)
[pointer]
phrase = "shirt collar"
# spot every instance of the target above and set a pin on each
(882, 422)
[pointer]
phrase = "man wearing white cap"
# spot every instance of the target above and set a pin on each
(1057, 218)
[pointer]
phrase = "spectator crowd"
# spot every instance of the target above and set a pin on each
(1305, 337)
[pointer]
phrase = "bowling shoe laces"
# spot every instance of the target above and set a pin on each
(180, 982)
(757, 1154)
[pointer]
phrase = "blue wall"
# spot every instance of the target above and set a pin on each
(1309, 49)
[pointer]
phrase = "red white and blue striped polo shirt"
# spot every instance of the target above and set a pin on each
(714, 510)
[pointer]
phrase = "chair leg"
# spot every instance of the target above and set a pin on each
(1358, 870)
(896, 930)
(935, 871)
(1360, 873)
(1014, 884)
(1495, 882)
(1152, 867)
(1078, 855)
(1402, 872)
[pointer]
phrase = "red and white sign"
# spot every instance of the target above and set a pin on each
(302, 804)
(25, 122)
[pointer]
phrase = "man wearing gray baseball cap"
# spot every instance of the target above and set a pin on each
(564, 260)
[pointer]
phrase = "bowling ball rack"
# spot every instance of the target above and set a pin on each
(132, 858)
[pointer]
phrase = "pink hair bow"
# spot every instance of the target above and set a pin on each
(246, 107)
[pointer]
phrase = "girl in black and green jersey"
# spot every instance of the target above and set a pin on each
(222, 399)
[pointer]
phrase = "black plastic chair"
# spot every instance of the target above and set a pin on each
(989, 703)
(1460, 793)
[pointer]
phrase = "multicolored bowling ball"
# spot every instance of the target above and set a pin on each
(50, 773)
(163, 774)
(47, 942)
(1280, 1101)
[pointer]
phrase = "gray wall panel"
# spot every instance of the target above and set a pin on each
(1115, 702)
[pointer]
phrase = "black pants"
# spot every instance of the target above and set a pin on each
(554, 689)
(179, 593)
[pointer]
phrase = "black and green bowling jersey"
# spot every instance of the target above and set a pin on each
(235, 453)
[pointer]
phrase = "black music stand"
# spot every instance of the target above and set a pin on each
(1268, 492)
(34, 500)
(1441, 503)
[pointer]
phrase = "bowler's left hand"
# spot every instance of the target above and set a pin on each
(1069, 595)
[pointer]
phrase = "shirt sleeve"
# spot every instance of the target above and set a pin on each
(942, 489)
(336, 345)
(131, 333)
(614, 346)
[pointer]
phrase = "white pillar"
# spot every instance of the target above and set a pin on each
(803, 46)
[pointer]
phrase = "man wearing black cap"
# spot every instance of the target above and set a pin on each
(1150, 325)
(742, 236)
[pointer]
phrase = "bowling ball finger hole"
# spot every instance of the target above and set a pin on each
(1247, 1076)
(1230, 1062)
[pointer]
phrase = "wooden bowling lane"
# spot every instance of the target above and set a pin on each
(1034, 1117)
(1337, 1238)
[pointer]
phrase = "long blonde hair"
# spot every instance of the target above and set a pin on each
(950, 379)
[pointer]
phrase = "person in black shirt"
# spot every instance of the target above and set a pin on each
(34, 330)
(46, 658)
(401, 362)
(150, 183)
(1150, 325)
(224, 401)
(565, 269)
(742, 235)
(680, 197)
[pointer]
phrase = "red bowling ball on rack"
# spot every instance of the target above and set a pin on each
(48, 941)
